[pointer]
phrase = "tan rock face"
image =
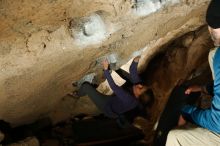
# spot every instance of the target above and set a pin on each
(46, 45)
(30, 141)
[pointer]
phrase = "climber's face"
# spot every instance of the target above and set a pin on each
(215, 35)
(139, 89)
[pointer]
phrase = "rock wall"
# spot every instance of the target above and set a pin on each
(47, 45)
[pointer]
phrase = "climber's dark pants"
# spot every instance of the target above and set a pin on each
(98, 98)
(170, 116)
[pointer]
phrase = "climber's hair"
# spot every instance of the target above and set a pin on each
(147, 98)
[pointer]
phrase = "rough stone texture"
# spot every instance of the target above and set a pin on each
(30, 141)
(2, 136)
(40, 56)
(182, 60)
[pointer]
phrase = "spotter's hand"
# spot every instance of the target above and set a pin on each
(194, 88)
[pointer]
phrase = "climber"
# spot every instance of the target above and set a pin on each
(122, 101)
(207, 131)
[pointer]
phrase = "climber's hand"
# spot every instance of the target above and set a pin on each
(136, 59)
(105, 64)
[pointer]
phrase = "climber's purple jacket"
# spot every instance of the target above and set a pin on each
(123, 101)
